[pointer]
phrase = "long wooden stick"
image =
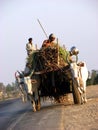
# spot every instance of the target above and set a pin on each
(42, 28)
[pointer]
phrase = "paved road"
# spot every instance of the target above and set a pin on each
(52, 116)
(10, 110)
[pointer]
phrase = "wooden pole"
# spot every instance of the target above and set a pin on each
(42, 28)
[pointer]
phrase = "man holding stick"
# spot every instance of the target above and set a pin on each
(51, 42)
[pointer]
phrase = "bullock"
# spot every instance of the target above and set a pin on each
(32, 82)
(21, 85)
(28, 86)
(80, 73)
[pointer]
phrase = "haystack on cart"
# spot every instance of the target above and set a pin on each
(52, 67)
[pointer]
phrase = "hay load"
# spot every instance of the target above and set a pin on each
(49, 59)
(52, 66)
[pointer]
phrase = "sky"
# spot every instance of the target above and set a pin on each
(74, 23)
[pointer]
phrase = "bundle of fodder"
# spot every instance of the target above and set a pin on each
(52, 65)
(49, 59)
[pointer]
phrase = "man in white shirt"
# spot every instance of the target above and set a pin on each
(30, 47)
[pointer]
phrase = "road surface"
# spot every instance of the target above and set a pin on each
(19, 116)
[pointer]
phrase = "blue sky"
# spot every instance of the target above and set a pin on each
(74, 23)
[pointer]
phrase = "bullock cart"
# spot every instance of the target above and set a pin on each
(53, 74)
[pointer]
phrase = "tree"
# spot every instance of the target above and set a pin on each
(2, 87)
(96, 80)
(9, 88)
(93, 76)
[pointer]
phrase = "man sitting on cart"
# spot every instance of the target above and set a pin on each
(50, 42)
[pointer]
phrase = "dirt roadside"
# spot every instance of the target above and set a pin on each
(83, 117)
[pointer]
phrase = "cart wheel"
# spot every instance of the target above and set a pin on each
(76, 93)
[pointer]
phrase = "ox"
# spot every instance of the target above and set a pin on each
(32, 83)
(21, 85)
(80, 73)
(28, 86)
